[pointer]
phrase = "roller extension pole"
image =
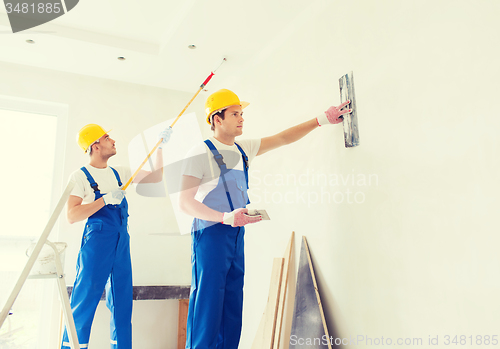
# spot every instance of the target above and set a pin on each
(36, 251)
(202, 86)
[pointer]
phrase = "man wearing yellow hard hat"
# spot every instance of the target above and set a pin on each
(104, 257)
(214, 192)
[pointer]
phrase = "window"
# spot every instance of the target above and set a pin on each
(29, 171)
(28, 149)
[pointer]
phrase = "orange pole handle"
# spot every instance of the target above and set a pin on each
(158, 144)
(131, 179)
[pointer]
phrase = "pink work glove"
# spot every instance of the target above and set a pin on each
(239, 218)
(333, 115)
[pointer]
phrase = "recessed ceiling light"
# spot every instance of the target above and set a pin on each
(192, 47)
(121, 58)
(30, 41)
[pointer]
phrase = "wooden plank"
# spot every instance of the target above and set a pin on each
(181, 328)
(282, 297)
(350, 123)
(273, 302)
(260, 331)
(265, 335)
(308, 317)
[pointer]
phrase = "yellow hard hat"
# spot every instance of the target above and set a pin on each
(220, 100)
(88, 135)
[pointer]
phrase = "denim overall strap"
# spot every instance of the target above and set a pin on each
(245, 161)
(117, 176)
(93, 184)
(223, 168)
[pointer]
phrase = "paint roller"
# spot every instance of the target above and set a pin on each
(202, 86)
(350, 122)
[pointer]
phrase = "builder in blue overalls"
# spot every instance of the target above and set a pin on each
(214, 191)
(104, 257)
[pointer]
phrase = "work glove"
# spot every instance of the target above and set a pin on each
(239, 218)
(165, 136)
(114, 197)
(333, 115)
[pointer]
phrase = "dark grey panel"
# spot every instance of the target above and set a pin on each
(70, 4)
(154, 292)
(307, 324)
(350, 123)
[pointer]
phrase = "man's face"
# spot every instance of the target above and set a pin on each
(233, 121)
(106, 146)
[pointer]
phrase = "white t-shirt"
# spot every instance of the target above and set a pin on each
(104, 177)
(200, 162)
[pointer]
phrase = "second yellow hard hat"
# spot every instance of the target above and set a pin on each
(221, 100)
(88, 135)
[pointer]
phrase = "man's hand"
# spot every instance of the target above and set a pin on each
(114, 197)
(165, 136)
(333, 115)
(238, 218)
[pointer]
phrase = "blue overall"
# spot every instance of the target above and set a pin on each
(218, 265)
(104, 263)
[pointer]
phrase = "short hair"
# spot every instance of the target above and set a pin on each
(219, 114)
(89, 150)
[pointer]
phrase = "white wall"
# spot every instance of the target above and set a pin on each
(127, 109)
(419, 256)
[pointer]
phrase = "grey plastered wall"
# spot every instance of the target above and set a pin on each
(417, 256)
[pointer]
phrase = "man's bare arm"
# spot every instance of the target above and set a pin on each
(287, 136)
(77, 212)
(333, 115)
(193, 207)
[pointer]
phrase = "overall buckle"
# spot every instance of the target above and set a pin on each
(219, 159)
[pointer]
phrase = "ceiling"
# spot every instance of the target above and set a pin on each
(154, 37)
(286, 54)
